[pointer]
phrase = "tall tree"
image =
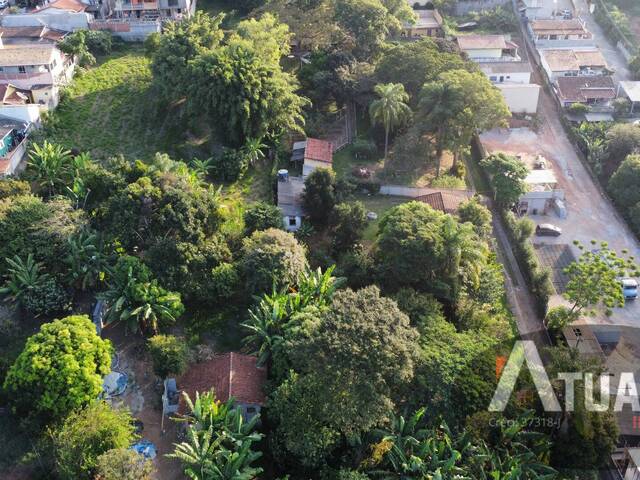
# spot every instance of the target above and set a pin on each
(439, 104)
(594, 279)
(507, 178)
(319, 197)
(390, 109)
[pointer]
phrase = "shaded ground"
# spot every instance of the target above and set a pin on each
(144, 398)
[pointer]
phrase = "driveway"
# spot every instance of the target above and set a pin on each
(613, 56)
(591, 215)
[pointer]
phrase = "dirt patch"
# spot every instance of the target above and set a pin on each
(143, 397)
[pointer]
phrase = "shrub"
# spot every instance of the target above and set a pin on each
(85, 435)
(124, 464)
(10, 187)
(47, 298)
(318, 197)
(224, 281)
(357, 267)
(363, 149)
(448, 181)
(348, 221)
(261, 216)
(577, 108)
(98, 42)
(230, 165)
(169, 355)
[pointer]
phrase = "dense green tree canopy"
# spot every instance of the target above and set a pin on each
(271, 259)
(236, 80)
(319, 196)
(85, 435)
(507, 178)
(361, 351)
(60, 369)
(428, 250)
(162, 205)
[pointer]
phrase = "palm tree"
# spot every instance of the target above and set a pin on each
(266, 325)
(197, 453)
(202, 168)
(51, 165)
(439, 104)
(464, 254)
(141, 304)
(252, 150)
(235, 464)
(23, 277)
(389, 109)
(86, 259)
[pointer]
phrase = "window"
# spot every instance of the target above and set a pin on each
(22, 69)
(292, 221)
(493, 78)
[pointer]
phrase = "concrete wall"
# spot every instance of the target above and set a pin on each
(287, 225)
(25, 113)
(511, 77)
(478, 53)
(520, 98)
(60, 21)
(129, 31)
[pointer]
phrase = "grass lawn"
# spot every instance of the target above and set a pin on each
(214, 7)
(110, 110)
(379, 204)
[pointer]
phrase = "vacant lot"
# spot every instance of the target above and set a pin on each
(110, 110)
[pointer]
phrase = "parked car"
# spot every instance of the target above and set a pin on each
(548, 230)
(629, 288)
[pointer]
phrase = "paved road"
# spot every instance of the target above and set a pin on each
(614, 58)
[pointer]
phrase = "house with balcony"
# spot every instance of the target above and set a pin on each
(154, 9)
(43, 69)
(13, 145)
(573, 63)
(498, 58)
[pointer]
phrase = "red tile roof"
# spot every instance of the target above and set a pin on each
(444, 201)
(229, 375)
(318, 150)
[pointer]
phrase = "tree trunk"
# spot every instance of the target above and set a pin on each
(386, 143)
(455, 160)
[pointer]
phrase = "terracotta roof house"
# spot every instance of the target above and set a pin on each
(598, 91)
(447, 202)
(230, 375)
(317, 154)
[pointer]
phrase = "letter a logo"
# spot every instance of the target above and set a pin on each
(524, 351)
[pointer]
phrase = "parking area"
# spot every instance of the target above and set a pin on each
(556, 258)
(590, 215)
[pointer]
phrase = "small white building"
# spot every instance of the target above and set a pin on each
(520, 97)
(573, 63)
(314, 154)
(542, 196)
(631, 91)
(505, 69)
(488, 48)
